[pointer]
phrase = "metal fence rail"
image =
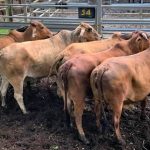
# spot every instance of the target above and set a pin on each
(113, 15)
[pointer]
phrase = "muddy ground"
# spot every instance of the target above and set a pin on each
(43, 128)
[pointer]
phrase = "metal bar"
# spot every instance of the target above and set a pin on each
(126, 20)
(127, 6)
(99, 16)
(25, 11)
(126, 14)
(52, 5)
(52, 18)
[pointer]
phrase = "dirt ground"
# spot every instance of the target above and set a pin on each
(43, 128)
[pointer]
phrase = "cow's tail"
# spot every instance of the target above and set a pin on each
(99, 87)
(57, 63)
(1, 54)
(64, 78)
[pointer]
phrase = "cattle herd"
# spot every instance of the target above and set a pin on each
(85, 66)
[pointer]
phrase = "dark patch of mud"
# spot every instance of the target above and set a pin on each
(43, 128)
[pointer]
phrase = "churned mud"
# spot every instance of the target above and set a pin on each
(43, 128)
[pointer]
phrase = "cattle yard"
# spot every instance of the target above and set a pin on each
(44, 127)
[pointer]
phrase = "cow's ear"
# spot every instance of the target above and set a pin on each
(144, 35)
(139, 39)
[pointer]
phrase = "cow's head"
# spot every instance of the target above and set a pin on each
(139, 40)
(37, 31)
(85, 32)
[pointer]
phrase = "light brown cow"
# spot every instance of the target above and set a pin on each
(35, 31)
(120, 80)
(34, 58)
(74, 75)
(81, 48)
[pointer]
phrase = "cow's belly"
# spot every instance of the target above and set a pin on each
(39, 70)
(138, 94)
(40, 66)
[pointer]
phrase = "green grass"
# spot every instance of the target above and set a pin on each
(4, 31)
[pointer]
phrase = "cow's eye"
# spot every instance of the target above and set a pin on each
(89, 29)
(139, 39)
(42, 27)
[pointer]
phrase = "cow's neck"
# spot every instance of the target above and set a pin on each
(74, 37)
(115, 51)
(120, 49)
(129, 47)
(8, 37)
(27, 35)
(16, 36)
(134, 47)
(67, 37)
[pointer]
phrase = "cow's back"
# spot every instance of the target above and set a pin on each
(127, 74)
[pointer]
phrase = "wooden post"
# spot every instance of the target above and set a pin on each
(9, 11)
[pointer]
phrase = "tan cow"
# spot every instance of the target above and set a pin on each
(34, 58)
(120, 80)
(74, 75)
(35, 31)
(81, 48)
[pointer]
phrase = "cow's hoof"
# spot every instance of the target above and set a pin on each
(26, 112)
(84, 140)
(4, 109)
(4, 106)
(122, 142)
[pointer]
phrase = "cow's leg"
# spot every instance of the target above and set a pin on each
(77, 93)
(78, 112)
(3, 89)
(68, 112)
(17, 84)
(97, 107)
(79, 105)
(143, 106)
(117, 109)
